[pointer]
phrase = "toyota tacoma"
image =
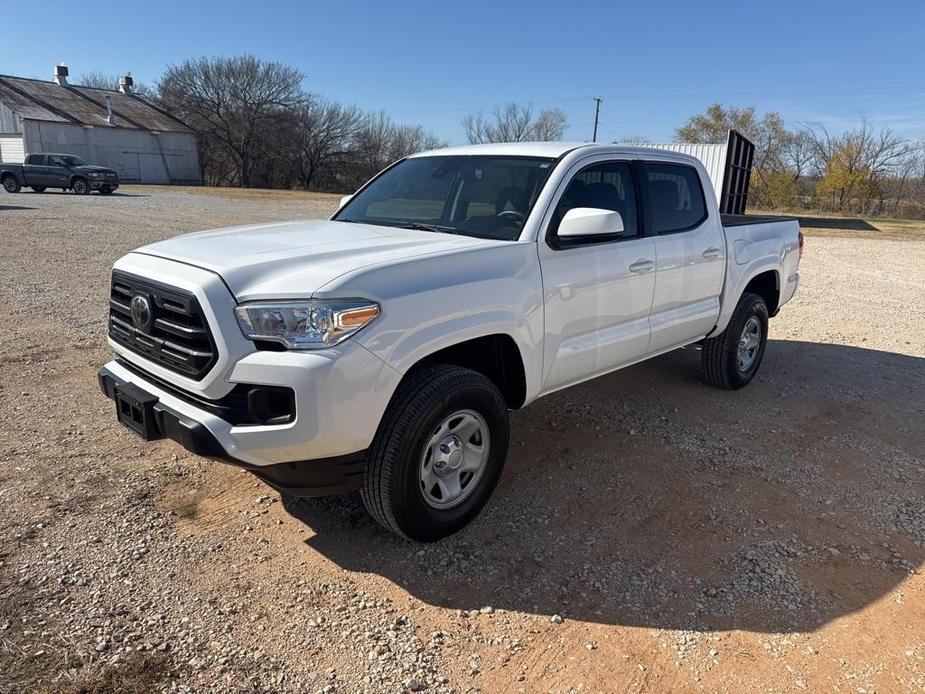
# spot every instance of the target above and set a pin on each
(382, 350)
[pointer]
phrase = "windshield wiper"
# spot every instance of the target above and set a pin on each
(420, 226)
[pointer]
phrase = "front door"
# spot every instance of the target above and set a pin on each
(57, 172)
(597, 293)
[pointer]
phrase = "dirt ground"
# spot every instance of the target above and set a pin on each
(649, 533)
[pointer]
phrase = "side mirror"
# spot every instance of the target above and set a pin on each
(344, 200)
(590, 221)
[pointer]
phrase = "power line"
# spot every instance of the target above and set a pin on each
(904, 90)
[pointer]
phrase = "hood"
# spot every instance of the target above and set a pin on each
(90, 168)
(295, 259)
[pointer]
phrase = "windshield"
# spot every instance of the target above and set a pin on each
(476, 195)
(71, 160)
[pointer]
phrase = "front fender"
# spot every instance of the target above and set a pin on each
(435, 302)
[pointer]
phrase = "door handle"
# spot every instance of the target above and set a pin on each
(712, 252)
(642, 265)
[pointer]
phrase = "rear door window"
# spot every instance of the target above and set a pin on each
(35, 160)
(675, 197)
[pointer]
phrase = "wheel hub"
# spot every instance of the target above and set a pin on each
(449, 455)
(749, 342)
(454, 459)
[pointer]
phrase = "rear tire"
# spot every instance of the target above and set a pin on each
(38, 189)
(457, 412)
(731, 359)
(11, 184)
(80, 186)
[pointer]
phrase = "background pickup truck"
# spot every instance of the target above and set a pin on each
(382, 350)
(64, 171)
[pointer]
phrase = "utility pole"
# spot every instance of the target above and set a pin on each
(597, 113)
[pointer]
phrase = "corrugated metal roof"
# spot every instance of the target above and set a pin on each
(48, 101)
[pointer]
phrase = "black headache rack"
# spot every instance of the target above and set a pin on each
(740, 153)
(170, 328)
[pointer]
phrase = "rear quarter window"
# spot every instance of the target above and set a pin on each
(676, 198)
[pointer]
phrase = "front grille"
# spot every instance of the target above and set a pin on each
(176, 334)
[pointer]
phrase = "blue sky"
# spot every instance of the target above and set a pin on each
(654, 63)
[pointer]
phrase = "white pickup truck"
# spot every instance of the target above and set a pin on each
(382, 350)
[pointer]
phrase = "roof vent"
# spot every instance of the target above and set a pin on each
(61, 75)
(126, 83)
(109, 119)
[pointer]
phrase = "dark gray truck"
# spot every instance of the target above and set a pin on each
(64, 171)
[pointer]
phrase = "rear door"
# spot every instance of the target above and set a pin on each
(33, 170)
(690, 252)
(597, 292)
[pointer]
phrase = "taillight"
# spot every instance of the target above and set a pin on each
(801, 242)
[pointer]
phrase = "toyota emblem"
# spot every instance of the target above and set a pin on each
(141, 312)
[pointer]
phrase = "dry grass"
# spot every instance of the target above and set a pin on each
(139, 673)
(237, 193)
(830, 226)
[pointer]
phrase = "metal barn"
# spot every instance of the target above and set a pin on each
(118, 129)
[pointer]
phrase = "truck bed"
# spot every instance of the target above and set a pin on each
(737, 220)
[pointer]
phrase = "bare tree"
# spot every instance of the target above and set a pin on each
(380, 141)
(799, 153)
(515, 123)
(325, 136)
(234, 101)
(854, 166)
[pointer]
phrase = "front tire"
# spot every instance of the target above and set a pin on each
(105, 190)
(11, 184)
(438, 453)
(80, 186)
(731, 359)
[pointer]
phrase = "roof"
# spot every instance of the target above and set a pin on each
(49, 101)
(539, 149)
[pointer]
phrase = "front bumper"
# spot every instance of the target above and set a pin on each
(97, 183)
(319, 477)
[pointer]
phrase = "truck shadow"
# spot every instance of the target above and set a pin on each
(645, 498)
(845, 223)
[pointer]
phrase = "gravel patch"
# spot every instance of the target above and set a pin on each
(648, 531)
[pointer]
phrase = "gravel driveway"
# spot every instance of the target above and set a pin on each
(649, 532)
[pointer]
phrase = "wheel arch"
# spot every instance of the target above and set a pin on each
(497, 356)
(765, 284)
(763, 279)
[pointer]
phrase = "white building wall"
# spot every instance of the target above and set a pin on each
(11, 149)
(138, 155)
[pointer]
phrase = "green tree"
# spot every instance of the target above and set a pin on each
(772, 140)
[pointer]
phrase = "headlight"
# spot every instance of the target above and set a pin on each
(96, 175)
(305, 324)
